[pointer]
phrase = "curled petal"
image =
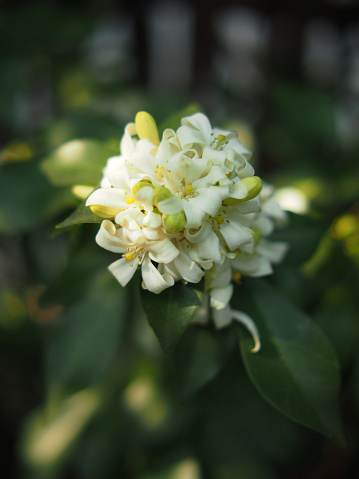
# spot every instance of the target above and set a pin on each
(153, 279)
(188, 269)
(200, 122)
(235, 234)
(208, 248)
(171, 206)
(194, 216)
(111, 197)
(124, 270)
(248, 322)
(163, 251)
(208, 201)
(220, 297)
(274, 252)
(107, 239)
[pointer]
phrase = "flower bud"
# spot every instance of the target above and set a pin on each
(138, 186)
(175, 223)
(254, 186)
(104, 211)
(146, 127)
(161, 193)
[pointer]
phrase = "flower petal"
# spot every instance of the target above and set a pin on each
(163, 251)
(112, 197)
(234, 234)
(208, 201)
(124, 270)
(107, 239)
(220, 297)
(188, 269)
(153, 279)
(274, 252)
(194, 216)
(171, 206)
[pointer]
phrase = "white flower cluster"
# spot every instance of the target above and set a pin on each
(185, 207)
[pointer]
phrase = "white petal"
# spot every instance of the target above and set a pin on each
(107, 239)
(188, 269)
(152, 220)
(248, 322)
(208, 248)
(216, 174)
(223, 276)
(194, 216)
(112, 197)
(206, 200)
(124, 270)
(195, 236)
(274, 252)
(220, 297)
(200, 122)
(222, 317)
(127, 143)
(120, 179)
(145, 196)
(264, 225)
(238, 190)
(189, 137)
(171, 206)
(255, 266)
(153, 279)
(163, 251)
(250, 206)
(234, 234)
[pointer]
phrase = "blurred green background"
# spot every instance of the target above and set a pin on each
(86, 391)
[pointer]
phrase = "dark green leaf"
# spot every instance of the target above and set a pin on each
(297, 370)
(199, 356)
(83, 346)
(82, 214)
(27, 198)
(170, 312)
(77, 162)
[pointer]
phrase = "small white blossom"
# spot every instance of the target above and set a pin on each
(190, 203)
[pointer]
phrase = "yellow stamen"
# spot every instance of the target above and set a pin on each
(128, 256)
(221, 138)
(189, 188)
(219, 219)
(146, 127)
(130, 200)
(104, 211)
(236, 276)
(159, 170)
(229, 174)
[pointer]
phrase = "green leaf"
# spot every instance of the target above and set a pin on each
(174, 121)
(27, 198)
(303, 234)
(77, 162)
(83, 346)
(170, 312)
(82, 214)
(296, 370)
(199, 356)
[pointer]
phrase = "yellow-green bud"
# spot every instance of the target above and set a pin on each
(104, 211)
(146, 127)
(138, 186)
(175, 223)
(254, 186)
(161, 193)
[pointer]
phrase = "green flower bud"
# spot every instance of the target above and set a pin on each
(175, 223)
(254, 186)
(161, 193)
(138, 186)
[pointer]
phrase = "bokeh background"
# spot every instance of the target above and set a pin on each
(80, 400)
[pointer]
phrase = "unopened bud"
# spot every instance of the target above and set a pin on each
(254, 186)
(146, 127)
(138, 186)
(104, 211)
(161, 193)
(175, 223)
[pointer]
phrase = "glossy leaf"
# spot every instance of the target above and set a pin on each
(199, 356)
(82, 214)
(82, 347)
(170, 312)
(296, 370)
(27, 198)
(77, 162)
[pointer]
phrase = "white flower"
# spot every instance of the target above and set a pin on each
(190, 203)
